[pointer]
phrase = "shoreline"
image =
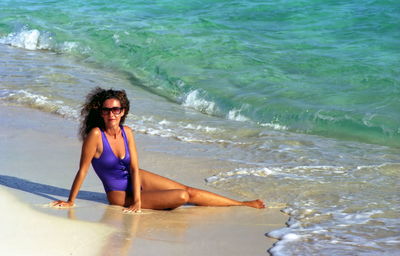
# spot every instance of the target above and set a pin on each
(37, 170)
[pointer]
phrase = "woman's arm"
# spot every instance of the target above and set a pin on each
(137, 203)
(89, 149)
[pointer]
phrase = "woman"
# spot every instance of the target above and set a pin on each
(111, 149)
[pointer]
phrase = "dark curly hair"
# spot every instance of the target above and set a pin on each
(91, 109)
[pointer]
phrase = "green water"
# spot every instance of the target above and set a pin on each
(318, 67)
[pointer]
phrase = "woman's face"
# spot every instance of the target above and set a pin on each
(112, 112)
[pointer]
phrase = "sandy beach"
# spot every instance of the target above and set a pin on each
(39, 153)
(290, 102)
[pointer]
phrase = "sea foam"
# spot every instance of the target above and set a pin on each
(195, 101)
(240, 172)
(34, 39)
(28, 39)
(44, 103)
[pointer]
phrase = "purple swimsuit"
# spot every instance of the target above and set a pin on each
(113, 171)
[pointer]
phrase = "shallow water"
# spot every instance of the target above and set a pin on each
(311, 106)
(334, 210)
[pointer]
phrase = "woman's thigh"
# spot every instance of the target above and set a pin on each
(117, 198)
(157, 200)
(164, 199)
(153, 182)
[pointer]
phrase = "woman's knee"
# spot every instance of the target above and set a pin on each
(192, 192)
(183, 196)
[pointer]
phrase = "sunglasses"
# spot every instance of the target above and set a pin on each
(115, 110)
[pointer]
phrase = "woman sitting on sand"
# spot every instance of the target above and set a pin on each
(111, 149)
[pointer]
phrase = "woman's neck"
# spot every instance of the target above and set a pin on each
(113, 131)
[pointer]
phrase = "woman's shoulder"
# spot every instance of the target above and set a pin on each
(127, 128)
(93, 138)
(94, 133)
(128, 131)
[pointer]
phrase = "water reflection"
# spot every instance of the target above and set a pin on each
(167, 227)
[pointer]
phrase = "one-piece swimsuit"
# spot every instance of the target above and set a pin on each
(114, 172)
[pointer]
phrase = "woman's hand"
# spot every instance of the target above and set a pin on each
(134, 208)
(62, 204)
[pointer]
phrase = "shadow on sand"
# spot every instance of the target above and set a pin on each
(48, 191)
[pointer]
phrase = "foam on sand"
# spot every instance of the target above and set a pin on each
(25, 231)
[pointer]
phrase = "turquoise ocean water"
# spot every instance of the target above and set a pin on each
(307, 91)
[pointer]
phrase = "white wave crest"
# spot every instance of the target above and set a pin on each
(28, 39)
(239, 173)
(275, 126)
(41, 102)
(33, 39)
(235, 115)
(178, 130)
(195, 101)
(202, 128)
(116, 39)
(69, 47)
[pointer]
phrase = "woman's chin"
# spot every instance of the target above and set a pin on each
(111, 123)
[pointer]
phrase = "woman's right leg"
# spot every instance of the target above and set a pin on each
(154, 182)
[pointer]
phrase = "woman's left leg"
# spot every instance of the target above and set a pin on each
(154, 182)
(164, 199)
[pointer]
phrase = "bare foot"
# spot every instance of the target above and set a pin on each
(255, 204)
